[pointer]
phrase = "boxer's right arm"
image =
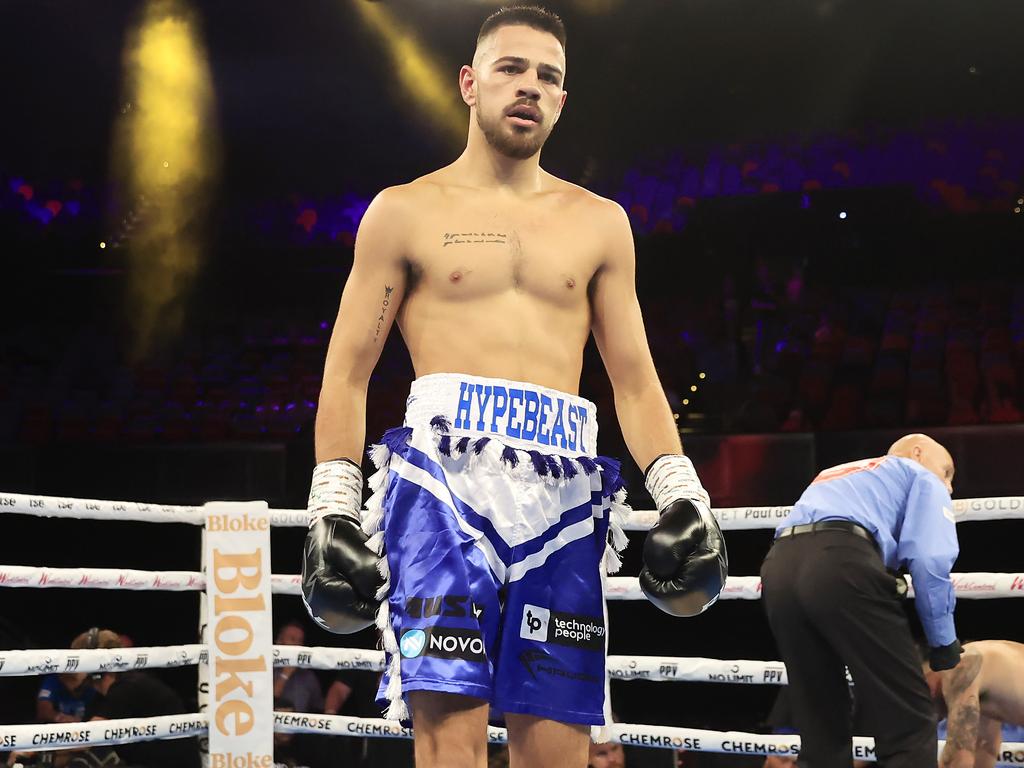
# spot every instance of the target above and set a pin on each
(374, 291)
(340, 579)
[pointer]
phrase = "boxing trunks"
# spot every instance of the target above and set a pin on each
(496, 523)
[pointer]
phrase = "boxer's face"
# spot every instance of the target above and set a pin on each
(515, 88)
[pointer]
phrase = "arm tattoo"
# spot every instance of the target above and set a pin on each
(383, 309)
(964, 673)
(963, 725)
(964, 708)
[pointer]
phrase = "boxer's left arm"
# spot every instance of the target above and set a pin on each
(643, 412)
(685, 562)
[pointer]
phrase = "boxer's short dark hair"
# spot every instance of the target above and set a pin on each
(533, 16)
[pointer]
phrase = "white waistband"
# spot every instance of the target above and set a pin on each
(516, 413)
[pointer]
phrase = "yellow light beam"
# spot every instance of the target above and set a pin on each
(432, 85)
(166, 156)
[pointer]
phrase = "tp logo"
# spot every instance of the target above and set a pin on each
(535, 623)
(412, 643)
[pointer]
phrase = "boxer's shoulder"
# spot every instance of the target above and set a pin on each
(598, 210)
(400, 199)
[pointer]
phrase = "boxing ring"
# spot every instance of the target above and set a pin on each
(976, 586)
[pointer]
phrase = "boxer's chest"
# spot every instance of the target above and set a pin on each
(470, 252)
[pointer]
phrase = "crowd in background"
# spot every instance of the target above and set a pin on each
(798, 327)
(787, 356)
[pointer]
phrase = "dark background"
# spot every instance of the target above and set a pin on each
(308, 108)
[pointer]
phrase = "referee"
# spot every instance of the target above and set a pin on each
(832, 600)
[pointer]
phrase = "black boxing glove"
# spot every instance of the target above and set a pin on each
(339, 571)
(685, 559)
(944, 656)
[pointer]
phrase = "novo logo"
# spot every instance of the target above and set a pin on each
(443, 643)
(412, 643)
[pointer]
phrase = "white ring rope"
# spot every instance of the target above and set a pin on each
(48, 737)
(655, 668)
(730, 518)
(111, 732)
(94, 733)
(970, 586)
(48, 661)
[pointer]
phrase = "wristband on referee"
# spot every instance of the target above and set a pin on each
(671, 477)
(944, 656)
(336, 489)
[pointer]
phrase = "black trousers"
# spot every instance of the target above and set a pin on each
(830, 602)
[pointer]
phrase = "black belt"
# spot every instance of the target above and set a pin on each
(830, 525)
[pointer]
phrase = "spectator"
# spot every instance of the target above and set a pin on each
(497, 756)
(609, 755)
(138, 694)
(293, 750)
(353, 693)
(64, 697)
(300, 686)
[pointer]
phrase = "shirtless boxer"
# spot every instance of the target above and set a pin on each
(491, 508)
(984, 691)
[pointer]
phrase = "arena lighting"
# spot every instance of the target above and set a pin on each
(842, 214)
(166, 157)
(431, 85)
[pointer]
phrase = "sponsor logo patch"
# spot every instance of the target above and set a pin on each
(570, 629)
(449, 606)
(542, 663)
(443, 643)
(412, 643)
(535, 623)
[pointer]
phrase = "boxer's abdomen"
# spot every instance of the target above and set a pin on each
(507, 335)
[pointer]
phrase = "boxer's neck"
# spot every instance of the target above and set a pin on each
(480, 165)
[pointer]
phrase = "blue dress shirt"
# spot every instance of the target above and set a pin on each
(909, 512)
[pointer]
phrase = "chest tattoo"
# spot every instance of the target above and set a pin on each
(468, 238)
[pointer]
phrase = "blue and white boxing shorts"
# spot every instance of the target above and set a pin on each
(496, 523)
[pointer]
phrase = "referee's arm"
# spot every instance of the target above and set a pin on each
(929, 547)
